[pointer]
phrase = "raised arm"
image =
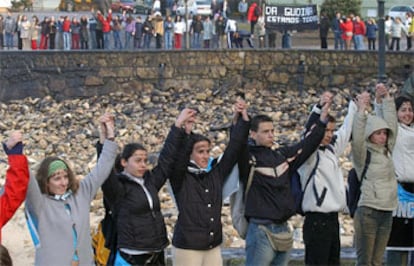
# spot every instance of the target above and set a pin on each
(111, 186)
(389, 114)
(358, 130)
(180, 167)
(300, 152)
(173, 148)
(326, 97)
(238, 138)
(90, 184)
(17, 178)
(343, 134)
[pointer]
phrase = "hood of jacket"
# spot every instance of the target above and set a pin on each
(375, 123)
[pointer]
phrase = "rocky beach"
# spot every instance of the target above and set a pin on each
(68, 128)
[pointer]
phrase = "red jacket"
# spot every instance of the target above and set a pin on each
(106, 23)
(251, 16)
(347, 26)
(17, 179)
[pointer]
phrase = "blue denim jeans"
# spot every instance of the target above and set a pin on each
(168, 42)
(359, 42)
(128, 40)
(9, 40)
(339, 43)
(147, 40)
(107, 37)
(372, 230)
(258, 248)
(117, 40)
(196, 40)
(66, 40)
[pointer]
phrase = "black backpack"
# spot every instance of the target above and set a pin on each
(353, 192)
(296, 187)
(257, 11)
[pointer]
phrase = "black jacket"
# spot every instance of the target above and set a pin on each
(271, 198)
(138, 226)
(199, 196)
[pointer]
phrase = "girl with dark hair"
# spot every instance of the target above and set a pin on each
(132, 196)
(198, 193)
(58, 206)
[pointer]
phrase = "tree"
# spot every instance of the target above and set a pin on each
(345, 7)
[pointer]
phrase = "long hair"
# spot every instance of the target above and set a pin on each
(43, 178)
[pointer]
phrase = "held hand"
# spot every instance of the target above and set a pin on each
(107, 127)
(102, 129)
(110, 126)
(325, 111)
(14, 138)
(381, 92)
(188, 125)
(186, 114)
(240, 108)
(363, 101)
(326, 97)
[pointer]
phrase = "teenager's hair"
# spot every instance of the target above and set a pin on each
(118, 165)
(195, 138)
(331, 119)
(400, 100)
(129, 150)
(43, 177)
(5, 259)
(254, 126)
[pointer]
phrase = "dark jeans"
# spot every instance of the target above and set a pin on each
(99, 39)
(371, 43)
(155, 259)
(395, 41)
(324, 43)
(321, 238)
(52, 37)
(19, 41)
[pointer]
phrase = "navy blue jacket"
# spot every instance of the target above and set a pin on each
(199, 196)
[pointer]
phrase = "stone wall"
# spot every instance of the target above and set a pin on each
(82, 74)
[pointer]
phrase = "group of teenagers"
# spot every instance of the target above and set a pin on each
(57, 205)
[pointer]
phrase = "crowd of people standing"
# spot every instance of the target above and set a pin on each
(351, 32)
(126, 31)
(154, 31)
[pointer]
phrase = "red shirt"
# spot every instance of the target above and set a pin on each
(106, 23)
(359, 28)
(66, 26)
